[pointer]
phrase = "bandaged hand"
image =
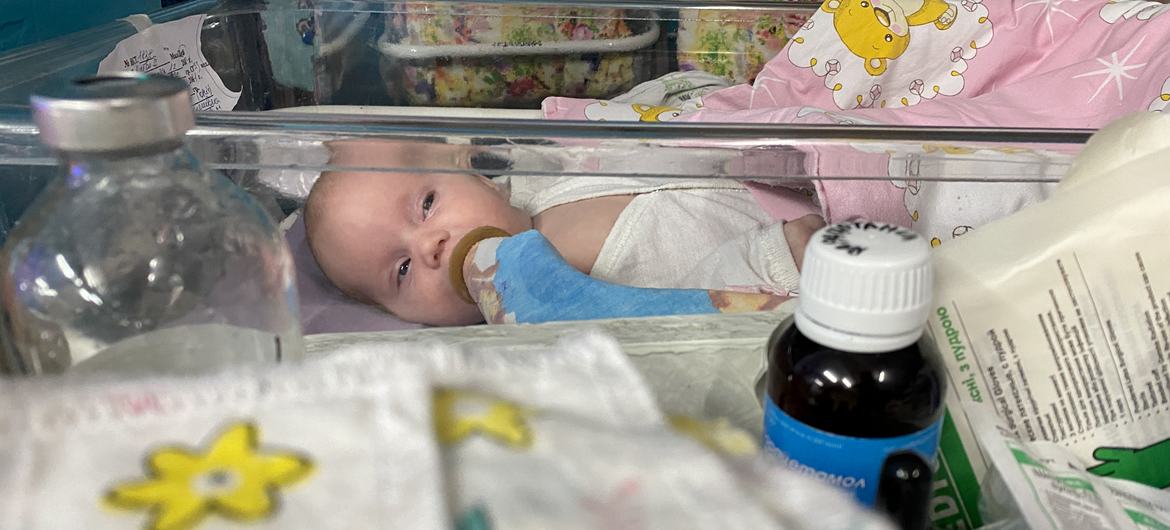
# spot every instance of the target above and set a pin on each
(523, 279)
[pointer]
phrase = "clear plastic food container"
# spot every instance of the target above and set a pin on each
(513, 56)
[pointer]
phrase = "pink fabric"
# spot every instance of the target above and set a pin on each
(1001, 63)
(1019, 63)
(1007, 63)
(558, 108)
(848, 200)
(783, 204)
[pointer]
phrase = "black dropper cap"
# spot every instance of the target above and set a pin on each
(904, 490)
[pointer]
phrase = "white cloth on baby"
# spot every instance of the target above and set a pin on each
(676, 233)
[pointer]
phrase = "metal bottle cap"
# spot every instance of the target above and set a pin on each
(113, 112)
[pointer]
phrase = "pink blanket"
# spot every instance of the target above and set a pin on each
(1002, 63)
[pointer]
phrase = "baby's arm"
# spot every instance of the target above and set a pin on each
(523, 279)
(767, 258)
(797, 232)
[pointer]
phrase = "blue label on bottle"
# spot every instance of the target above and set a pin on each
(854, 464)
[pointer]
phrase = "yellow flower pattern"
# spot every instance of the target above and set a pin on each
(719, 436)
(498, 420)
(232, 478)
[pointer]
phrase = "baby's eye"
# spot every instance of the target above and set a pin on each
(402, 270)
(428, 202)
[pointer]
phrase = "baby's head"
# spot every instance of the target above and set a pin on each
(386, 238)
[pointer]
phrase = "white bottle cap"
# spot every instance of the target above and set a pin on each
(865, 287)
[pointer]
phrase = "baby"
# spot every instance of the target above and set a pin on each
(386, 239)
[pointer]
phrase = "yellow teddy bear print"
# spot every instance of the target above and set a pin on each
(958, 232)
(610, 111)
(656, 113)
(879, 30)
(910, 188)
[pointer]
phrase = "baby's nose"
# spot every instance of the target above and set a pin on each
(432, 248)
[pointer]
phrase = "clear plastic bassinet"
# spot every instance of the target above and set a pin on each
(456, 87)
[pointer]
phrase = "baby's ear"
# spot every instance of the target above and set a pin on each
(491, 183)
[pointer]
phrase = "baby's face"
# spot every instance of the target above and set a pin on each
(388, 237)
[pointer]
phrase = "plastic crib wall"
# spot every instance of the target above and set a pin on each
(24, 22)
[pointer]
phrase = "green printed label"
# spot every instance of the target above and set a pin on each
(1146, 520)
(1075, 483)
(1149, 465)
(475, 518)
(959, 351)
(954, 502)
(1026, 459)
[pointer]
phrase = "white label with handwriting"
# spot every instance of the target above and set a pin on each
(173, 48)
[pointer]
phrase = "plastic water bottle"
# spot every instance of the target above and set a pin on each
(139, 259)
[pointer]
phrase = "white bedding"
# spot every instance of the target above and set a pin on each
(705, 365)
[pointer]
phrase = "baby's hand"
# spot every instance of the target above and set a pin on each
(798, 231)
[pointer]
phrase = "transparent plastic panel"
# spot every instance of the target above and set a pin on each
(52, 62)
(309, 141)
(286, 53)
(278, 155)
(457, 86)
